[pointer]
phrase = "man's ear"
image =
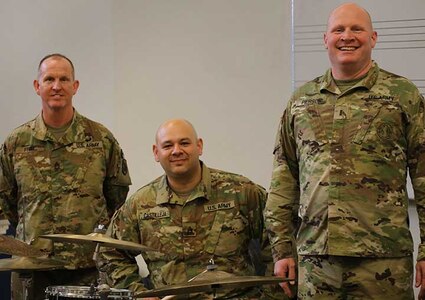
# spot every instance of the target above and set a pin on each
(36, 86)
(200, 145)
(155, 152)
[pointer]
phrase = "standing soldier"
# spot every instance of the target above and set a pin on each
(345, 144)
(61, 173)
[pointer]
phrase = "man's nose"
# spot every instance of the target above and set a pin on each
(57, 85)
(347, 35)
(176, 149)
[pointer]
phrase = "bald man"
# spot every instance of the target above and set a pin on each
(190, 215)
(345, 144)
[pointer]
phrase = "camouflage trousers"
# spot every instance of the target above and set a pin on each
(346, 278)
(40, 280)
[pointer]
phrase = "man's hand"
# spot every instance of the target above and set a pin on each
(420, 278)
(286, 268)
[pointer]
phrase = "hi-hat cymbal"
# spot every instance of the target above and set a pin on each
(22, 264)
(212, 281)
(13, 246)
(98, 238)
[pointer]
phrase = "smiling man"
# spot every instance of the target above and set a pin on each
(349, 40)
(190, 215)
(60, 173)
(338, 191)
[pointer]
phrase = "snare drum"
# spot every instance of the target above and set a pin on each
(83, 292)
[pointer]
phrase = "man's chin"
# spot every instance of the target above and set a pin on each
(57, 105)
(179, 169)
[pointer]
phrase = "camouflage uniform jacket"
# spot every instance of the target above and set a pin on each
(217, 221)
(66, 186)
(340, 167)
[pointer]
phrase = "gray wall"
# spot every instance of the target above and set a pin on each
(224, 65)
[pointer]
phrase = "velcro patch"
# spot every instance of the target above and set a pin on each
(219, 206)
(155, 213)
(92, 144)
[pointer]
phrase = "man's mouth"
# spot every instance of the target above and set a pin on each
(177, 160)
(347, 48)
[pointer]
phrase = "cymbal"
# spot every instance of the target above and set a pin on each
(98, 238)
(22, 264)
(16, 247)
(212, 281)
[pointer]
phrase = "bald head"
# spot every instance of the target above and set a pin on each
(350, 8)
(349, 40)
(176, 124)
(177, 149)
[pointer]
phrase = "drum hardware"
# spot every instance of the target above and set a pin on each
(84, 292)
(210, 267)
(98, 238)
(24, 266)
(26, 280)
(102, 290)
(11, 246)
(212, 281)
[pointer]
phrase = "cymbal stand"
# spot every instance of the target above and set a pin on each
(103, 288)
(210, 268)
(26, 279)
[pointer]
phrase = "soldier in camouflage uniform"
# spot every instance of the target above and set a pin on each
(345, 143)
(61, 173)
(189, 215)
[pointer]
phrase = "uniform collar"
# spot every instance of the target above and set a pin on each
(74, 133)
(327, 82)
(203, 190)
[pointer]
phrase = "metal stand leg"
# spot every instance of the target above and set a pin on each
(26, 284)
(102, 288)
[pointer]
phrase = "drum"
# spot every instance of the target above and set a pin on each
(84, 292)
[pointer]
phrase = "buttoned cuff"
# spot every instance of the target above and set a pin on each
(421, 252)
(283, 250)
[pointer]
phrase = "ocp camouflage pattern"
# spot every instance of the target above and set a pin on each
(217, 222)
(66, 186)
(340, 167)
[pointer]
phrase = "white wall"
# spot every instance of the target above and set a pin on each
(29, 30)
(224, 65)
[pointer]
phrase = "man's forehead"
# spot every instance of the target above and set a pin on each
(351, 13)
(163, 139)
(55, 63)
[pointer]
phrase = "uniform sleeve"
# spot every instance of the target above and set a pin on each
(8, 186)
(121, 266)
(283, 199)
(260, 249)
(416, 161)
(115, 186)
(255, 199)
